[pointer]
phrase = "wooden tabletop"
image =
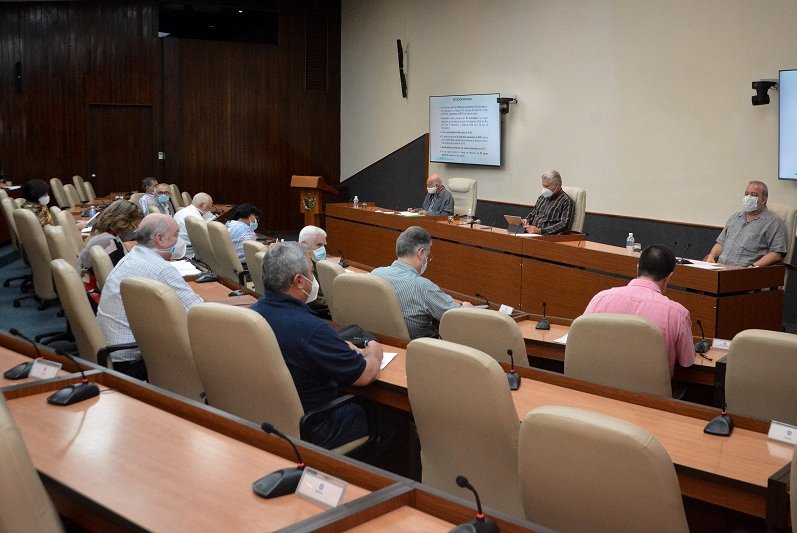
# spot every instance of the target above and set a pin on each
(213, 291)
(405, 520)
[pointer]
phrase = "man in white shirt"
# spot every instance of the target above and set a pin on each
(199, 208)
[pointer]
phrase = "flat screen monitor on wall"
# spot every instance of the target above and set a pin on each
(465, 129)
(787, 158)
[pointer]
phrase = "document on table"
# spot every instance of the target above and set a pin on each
(386, 358)
(561, 340)
(526, 234)
(385, 212)
(409, 214)
(185, 268)
(704, 265)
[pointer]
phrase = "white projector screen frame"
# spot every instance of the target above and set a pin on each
(465, 129)
(787, 134)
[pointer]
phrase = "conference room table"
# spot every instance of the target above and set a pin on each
(563, 271)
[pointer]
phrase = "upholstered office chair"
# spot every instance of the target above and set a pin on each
(788, 214)
(59, 193)
(89, 188)
(759, 380)
(327, 272)
(585, 471)
(24, 504)
(464, 191)
(67, 221)
(229, 265)
(579, 197)
(622, 351)
(54, 212)
(80, 187)
(136, 197)
(101, 264)
(199, 236)
(177, 196)
(159, 324)
(90, 341)
(8, 206)
(72, 195)
(3, 194)
(466, 421)
(486, 330)
(254, 263)
(371, 303)
(33, 241)
(187, 199)
(60, 247)
(243, 370)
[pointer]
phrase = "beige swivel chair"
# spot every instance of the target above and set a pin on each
(788, 214)
(229, 266)
(136, 198)
(60, 247)
(371, 303)
(159, 324)
(579, 197)
(177, 196)
(72, 197)
(622, 351)
(187, 199)
(327, 272)
(199, 236)
(101, 264)
(54, 212)
(464, 191)
(33, 241)
(486, 330)
(254, 263)
(89, 188)
(3, 194)
(80, 187)
(759, 379)
(67, 221)
(24, 504)
(585, 471)
(58, 191)
(8, 206)
(466, 421)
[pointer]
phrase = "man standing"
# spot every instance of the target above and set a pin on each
(644, 296)
(157, 232)
(422, 301)
(553, 212)
(315, 240)
(753, 237)
(199, 208)
(438, 200)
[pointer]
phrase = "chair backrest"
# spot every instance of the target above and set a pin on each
(327, 272)
(60, 247)
(57, 188)
(227, 259)
(789, 215)
(464, 191)
(24, 504)
(254, 263)
(101, 264)
(80, 187)
(67, 221)
(466, 421)
(33, 241)
(243, 370)
(187, 199)
(159, 324)
(759, 378)
(3, 194)
(89, 188)
(81, 318)
(486, 330)
(585, 471)
(177, 196)
(8, 206)
(357, 295)
(622, 351)
(199, 236)
(579, 197)
(72, 197)
(54, 212)
(136, 197)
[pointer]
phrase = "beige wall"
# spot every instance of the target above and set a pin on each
(645, 103)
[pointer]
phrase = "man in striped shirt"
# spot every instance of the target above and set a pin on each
(553, 212)
(422, 302)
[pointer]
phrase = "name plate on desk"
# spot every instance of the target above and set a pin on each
(783, 432)
(320, 488)
(44, 369)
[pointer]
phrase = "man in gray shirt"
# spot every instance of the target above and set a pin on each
(438, 200)
(422, 302)
(753, 237)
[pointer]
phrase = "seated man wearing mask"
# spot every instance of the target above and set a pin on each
(315, 240)
(148, 186)
(422, 302)
(553, 211)
(319, 361)
(156, 233)
(199, 208)
(438, 200)
(753, 237)
(161, 202)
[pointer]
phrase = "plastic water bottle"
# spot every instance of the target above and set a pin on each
(356, 202)
(629, 243)
(469, 217)
(91, 212)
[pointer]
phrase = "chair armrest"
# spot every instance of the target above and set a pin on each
(103, 353)
(339, 402)
(242, 277)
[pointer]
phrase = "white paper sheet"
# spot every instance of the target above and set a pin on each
(386, 358)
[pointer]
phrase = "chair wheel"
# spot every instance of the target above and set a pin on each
(17, 304)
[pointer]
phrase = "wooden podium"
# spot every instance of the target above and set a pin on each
(310, 204)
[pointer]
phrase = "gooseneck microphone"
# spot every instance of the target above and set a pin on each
(512, 377)
(76, 392)
(342, 261)
(283, 481)
(682, 260)
(486, 304)
(702, 345)
(481, 524)
(22, 370)
(721, 426)
(544, 323)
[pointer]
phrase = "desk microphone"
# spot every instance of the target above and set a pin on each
(77, 392)
(721, 426)
(702, 345)
(342, 261)
(480, 524)
(512, 377)
(682, 260)
(486, 301)
(22, 370)
(283, 481)
(544, 323)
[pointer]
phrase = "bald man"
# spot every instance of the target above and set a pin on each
(438, 200)
(199, 208)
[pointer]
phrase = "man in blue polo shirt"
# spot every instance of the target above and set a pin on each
(318, 359)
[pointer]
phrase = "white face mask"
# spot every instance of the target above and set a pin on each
(44, 200)
(431, 190)
(313, 292)
(546, 193)
(749, 203)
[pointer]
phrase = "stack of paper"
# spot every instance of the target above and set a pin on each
(185, 268)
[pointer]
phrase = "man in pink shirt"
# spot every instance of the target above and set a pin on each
(644, 296)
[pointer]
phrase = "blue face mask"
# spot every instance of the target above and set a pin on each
(320, 253)
(253, 225)
(163, 198)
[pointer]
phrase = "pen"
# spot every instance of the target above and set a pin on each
(704, 356)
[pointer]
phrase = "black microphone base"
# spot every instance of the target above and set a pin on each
(21, 371)
(701, 347)
(476, 526)
(74, 394)
(543, 324)
(278, 483)
(721, 426)
(514, 381)
(343, 263)
(683, 261)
